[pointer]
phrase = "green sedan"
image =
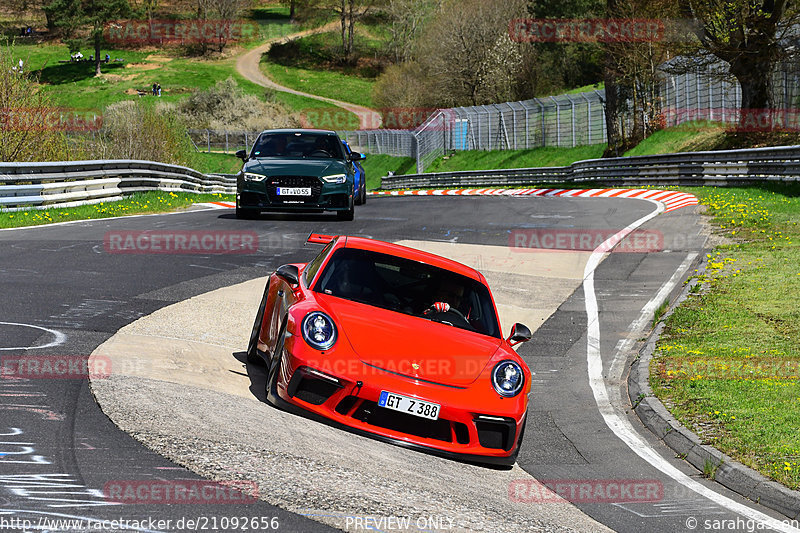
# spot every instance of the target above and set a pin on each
(296, 170)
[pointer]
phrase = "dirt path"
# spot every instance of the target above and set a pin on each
(248, 66)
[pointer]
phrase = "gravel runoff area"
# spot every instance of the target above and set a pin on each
(179, 385)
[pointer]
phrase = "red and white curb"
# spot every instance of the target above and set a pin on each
(220, 205)
(671, 199)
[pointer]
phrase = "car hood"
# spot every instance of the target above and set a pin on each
(273, 166)
(411, 346)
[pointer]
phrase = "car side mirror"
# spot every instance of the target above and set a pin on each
(242, 154)
(355, 156)
(519, 333)
(289, 273)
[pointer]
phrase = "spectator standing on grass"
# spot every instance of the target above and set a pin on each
(155, 90)
(158, 88)
(20, 66)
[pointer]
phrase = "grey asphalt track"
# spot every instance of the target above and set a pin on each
(64, 279)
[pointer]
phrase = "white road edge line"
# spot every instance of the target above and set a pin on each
(637, 326)
(58, 337)
(616, 421)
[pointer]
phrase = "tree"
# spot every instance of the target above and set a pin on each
(467, 52)
(72, 15)
(407, 18)
(746, 34)
(348, 12)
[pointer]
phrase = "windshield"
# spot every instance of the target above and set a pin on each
(298, 145)
(411, 288)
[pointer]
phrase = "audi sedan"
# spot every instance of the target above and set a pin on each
(297, 171)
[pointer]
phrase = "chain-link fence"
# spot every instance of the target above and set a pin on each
(567, 120)
(716, 96)
(222, 141)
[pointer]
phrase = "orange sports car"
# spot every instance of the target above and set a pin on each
(395, 343)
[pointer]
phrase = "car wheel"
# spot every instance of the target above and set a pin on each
(357, 200)
(274, 367)
(247, 214)
(346, 215)
(364, 194)
(252, 347)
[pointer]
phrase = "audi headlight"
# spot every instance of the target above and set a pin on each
(335, 178)
(319, 331)
(508, 378)
(249, 176)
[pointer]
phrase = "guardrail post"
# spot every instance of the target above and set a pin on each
(208, 141)
(558, 121)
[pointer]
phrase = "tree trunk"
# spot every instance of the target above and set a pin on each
(292, 8)
(754, 74)
(98, 40)
(611, 109)
(343, 21)
(350, 29)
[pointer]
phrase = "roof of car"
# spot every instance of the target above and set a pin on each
(413, 254)
(299, 130)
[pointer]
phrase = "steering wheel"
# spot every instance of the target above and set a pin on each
(456, 317)
(320, 153)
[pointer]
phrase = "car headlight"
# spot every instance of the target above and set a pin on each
(249, 176)
(507, 378)
(335, 178)
(319, 331)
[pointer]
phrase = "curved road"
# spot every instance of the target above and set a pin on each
(248, 66)
(59, 450)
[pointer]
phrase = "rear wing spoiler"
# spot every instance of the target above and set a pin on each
(318, 238)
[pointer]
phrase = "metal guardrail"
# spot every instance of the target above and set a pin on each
(723, 167)
(66, 184)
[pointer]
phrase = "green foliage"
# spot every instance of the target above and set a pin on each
(134, 129)
(31, 127)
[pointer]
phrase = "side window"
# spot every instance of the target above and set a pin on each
(313, 266)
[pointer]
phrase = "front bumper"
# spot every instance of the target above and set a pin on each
(473, 425)
(263, 196)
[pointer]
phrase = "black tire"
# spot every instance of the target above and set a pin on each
(364, 194)
(253, 357)
(246, 214)
(275, 364)
(346, 215)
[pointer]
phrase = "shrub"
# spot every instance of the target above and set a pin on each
(31, 127)
(226, 107)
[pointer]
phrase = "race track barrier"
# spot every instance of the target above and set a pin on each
(66, 184)
(717, 168)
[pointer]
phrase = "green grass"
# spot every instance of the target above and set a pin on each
(688, 137)
(74, 85)
(211, 163)
(728, 363)
(149, 202)
(329, 84)
(535, 157)
(316, 113)
(376, 166)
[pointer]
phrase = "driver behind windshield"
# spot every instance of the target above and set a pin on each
(448, 295)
